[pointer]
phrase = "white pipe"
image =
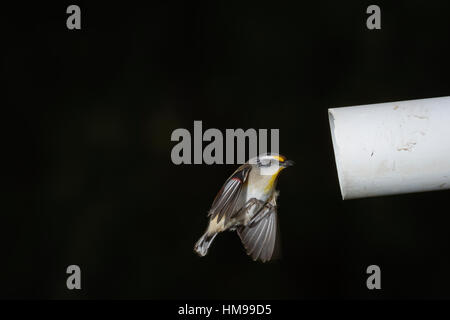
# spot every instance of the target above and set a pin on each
(392, 148)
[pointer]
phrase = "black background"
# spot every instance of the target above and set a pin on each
(88, 179)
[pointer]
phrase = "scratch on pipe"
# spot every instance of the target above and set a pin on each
(407, 147)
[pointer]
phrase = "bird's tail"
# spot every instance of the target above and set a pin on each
(202, 245)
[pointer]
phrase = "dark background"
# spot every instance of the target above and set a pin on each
(87, 117)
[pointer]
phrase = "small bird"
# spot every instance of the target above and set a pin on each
(247, 204)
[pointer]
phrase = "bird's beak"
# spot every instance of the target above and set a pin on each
(288, 163)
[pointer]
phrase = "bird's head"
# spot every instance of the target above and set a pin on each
(270, 164)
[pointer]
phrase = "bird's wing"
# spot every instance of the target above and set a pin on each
(259, 238)
(226, 204)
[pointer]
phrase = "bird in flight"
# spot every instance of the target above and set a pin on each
(247, 204)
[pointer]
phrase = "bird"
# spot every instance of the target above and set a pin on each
(247, 204)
